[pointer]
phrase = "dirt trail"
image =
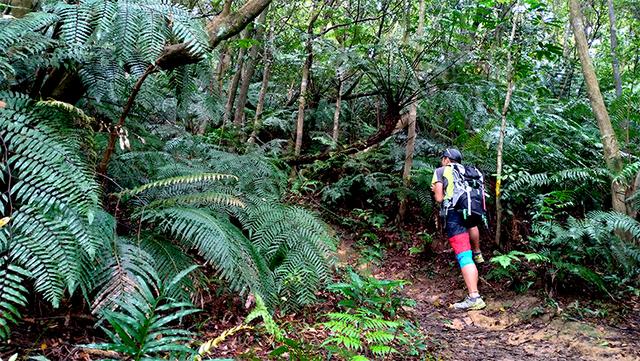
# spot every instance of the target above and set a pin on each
(512, 327)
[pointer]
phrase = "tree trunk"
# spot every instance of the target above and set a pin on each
(610, 145)
(336, 115)
(225, 54)
(306, 70)
(635, 190)
(411, 126)
(238, 119)
(233, 88)
(225, 26)
(302, 100)
(20, 8)
(223, 64)
(268, 60)
(503, 127)
(614, 45)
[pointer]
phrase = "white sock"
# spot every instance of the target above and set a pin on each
(474, 294)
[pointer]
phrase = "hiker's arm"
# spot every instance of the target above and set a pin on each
(438, 190)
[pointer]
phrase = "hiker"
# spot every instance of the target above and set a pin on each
(461, 214)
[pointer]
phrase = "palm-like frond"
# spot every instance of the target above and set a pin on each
(51, 197)
(117, 277)
(281, 250)
(12, 293)
(21, 39)
(593, 247)
(295, 244)
(220, 243)
(144, 326)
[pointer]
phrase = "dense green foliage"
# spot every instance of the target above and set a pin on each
(368, 324)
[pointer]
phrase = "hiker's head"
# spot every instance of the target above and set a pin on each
(451, 155)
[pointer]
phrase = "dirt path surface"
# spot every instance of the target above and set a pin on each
(511, 327)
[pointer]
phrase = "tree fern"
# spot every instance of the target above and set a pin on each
(21, 39)
(259, 176)
(280, 251)
(49, 194)
(296, 246)
(591, 248)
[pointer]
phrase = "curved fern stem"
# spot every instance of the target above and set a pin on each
(115, 131)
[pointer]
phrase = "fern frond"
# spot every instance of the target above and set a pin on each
(144, 324)
(614, 221)
(168, 261)
(628, 174)
(200, 199)
(297, 247)
(124, 264)
(36, 246)
(219, 242)
(75, 27)
(14, 29)
(12, 293)
(188, 179)
(206, 347)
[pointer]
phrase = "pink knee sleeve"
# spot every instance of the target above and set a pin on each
(460, 242)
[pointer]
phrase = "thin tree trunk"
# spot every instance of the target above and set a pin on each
(378, 114)
(250, 66)
(567, 64)
(611, 148)
(411, 126)
(226, 8)
(290, 94)
(614, 45)
(302, 101)
(223, 64)
(117, 129)
(632, 212)
(268, 60)
(336, 114)
(233, 89)
(225, 54)
(306, 70)
(503, 127)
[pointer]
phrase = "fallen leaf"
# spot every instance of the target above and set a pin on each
(457, 324)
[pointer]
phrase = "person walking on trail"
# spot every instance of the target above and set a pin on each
(461, 223)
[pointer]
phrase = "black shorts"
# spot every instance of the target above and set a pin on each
(456, 224)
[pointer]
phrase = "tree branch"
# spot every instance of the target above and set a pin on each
(227, 25)
(221, 28)
(358, 21)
